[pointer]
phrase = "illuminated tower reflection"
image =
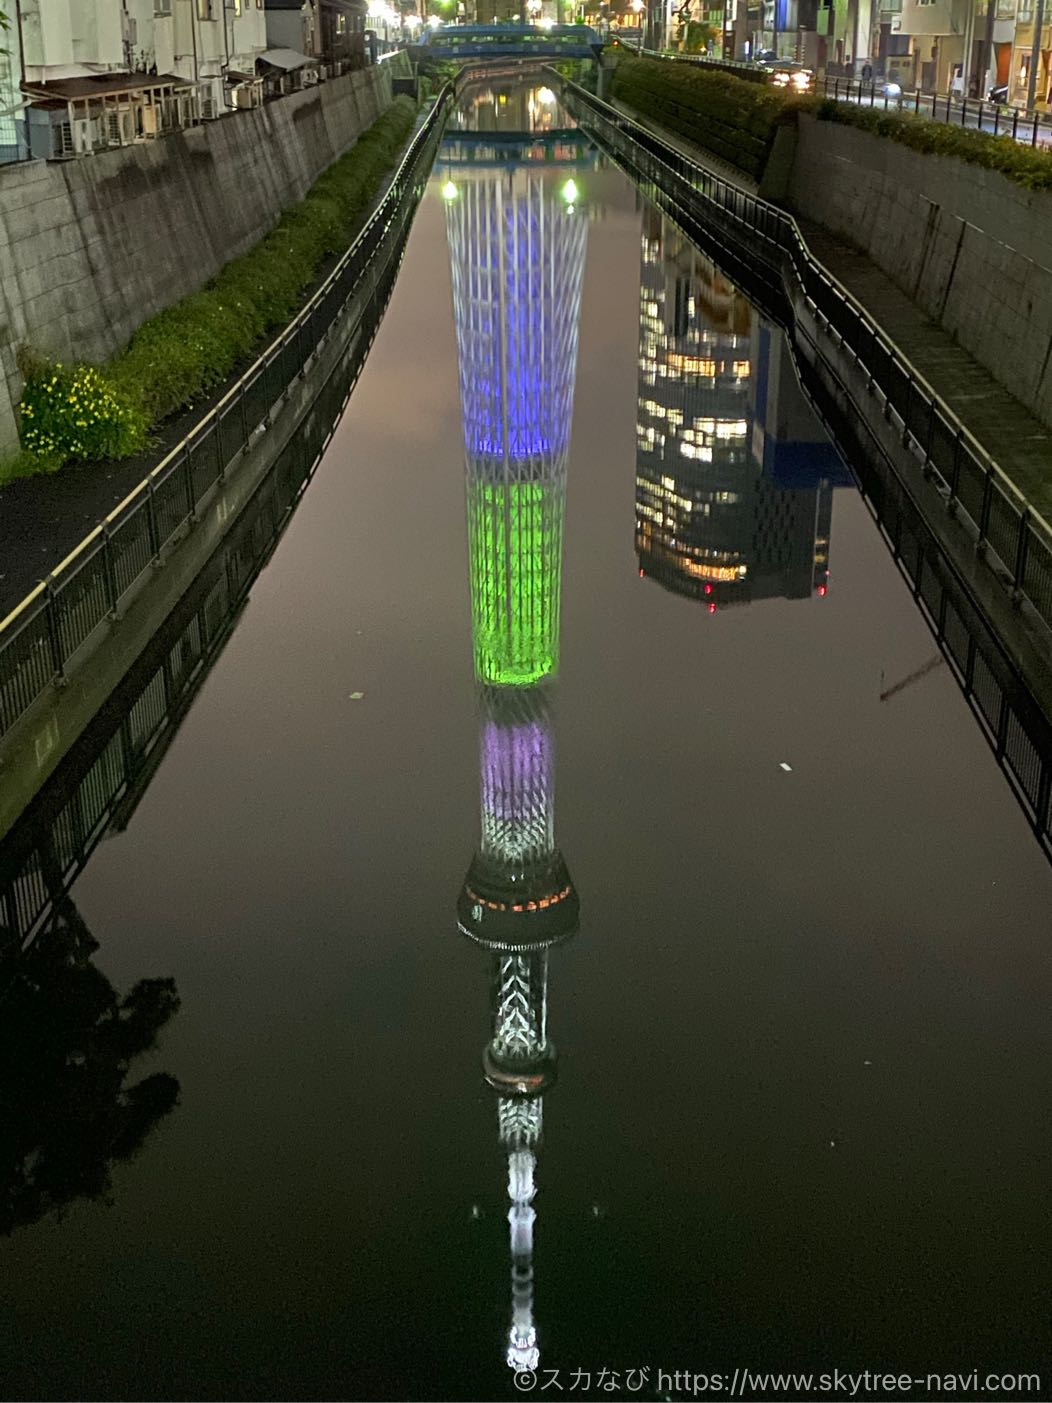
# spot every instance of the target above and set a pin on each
(517, 243)
(734, 473)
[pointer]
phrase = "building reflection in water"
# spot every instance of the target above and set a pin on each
(734, 473)
(517, 244)
(508, 111)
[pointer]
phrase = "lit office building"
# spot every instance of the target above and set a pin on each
(710, 522)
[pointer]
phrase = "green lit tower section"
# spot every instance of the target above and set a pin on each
(517, 244)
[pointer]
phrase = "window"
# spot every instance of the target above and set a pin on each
(162, 7)
(204, 9)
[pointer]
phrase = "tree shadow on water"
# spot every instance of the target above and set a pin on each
(67, 1039)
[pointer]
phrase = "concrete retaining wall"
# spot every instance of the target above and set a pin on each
(969, 246)
(90, 248)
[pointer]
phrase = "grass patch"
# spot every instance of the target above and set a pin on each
(26, 464)
(90, 413)
(734, 119)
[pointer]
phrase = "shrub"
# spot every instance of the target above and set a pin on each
(188, 349)
(1021, 164)
(75, 411)
(729, 116)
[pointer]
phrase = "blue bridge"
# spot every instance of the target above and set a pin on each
(511, 41)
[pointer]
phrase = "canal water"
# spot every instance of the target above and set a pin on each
(602, 938)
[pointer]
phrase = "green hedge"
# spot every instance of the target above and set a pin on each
(736, 120)
(733, 119)
(89, 413)
(1021, 164)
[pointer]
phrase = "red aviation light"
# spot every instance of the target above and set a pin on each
(822, 589)
(712, 607)
(708, 589)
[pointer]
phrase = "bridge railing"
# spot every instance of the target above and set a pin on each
(1013, 541)
(476, 41)
(41, 638)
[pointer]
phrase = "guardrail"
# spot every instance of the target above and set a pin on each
(100, 784)
(998, 119)
(1031, 128)
(1014, 542)
(40, 638)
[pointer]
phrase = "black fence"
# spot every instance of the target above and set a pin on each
(1032, 128)
(763, 250)
(98, 785)
(998, 119)
(40, 640)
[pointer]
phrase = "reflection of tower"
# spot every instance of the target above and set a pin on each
(709, 522)
(517, 244)
(517, 247)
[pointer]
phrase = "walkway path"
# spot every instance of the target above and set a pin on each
(1019, 443)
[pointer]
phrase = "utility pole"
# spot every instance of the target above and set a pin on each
(1035, 55)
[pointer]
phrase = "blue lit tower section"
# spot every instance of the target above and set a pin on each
(517, 244)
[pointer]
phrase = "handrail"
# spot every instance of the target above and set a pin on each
(974, 484)
(778, 217)
(44, 657)
(1003, 686)
(301, 316)
(1007, 120)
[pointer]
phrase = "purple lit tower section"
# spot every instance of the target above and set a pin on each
(517, 249)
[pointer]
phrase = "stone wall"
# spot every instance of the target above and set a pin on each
(969, 246)
(90, 248)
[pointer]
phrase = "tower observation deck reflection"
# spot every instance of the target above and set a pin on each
(734, 473)
(517, 245)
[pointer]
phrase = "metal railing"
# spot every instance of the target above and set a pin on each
(40, 639)
(768, 254)
(100, 784)
(997, 119)
(1031, 128)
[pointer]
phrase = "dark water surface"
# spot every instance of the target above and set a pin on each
(800, 1118)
